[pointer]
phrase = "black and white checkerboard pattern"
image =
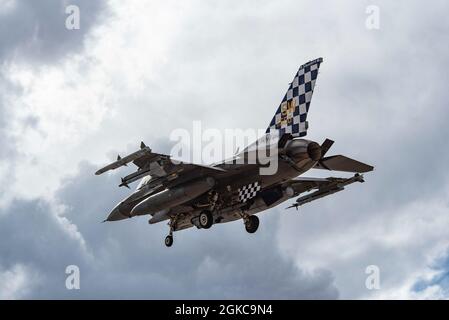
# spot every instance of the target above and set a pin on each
(291, 115)
(249, 191)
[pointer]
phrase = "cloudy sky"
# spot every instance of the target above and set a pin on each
(71, 99)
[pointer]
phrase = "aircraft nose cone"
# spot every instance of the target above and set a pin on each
(314, 151)
(116, 214)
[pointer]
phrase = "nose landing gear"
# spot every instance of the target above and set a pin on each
(169, 238)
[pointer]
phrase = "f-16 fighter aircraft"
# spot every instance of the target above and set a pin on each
(187, 195)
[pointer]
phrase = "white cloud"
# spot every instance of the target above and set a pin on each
(80, 103)
(17, 282)
(7, 6)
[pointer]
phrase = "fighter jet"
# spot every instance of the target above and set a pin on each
(187, 194)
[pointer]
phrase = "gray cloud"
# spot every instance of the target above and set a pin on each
(129, 259)
(380, 94)
(35, 239)
(35, 30)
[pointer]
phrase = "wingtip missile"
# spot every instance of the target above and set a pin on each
(327, 190)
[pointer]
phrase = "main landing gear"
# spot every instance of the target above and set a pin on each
(251, 222)
(169, 240)
(206, 219)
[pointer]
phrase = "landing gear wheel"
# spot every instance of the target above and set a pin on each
(252, 224)
(169, 240)
(206, 219)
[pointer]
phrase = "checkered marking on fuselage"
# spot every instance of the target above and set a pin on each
(291, 115)
(249, 191)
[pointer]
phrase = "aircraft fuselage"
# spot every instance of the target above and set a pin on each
(194, 193)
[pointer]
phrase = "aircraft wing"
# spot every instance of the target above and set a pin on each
(322, 187)
(159, 166)
(342, 163)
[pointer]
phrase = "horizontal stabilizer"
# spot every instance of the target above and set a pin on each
(342, 163)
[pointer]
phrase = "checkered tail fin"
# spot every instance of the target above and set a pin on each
(291, 116)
